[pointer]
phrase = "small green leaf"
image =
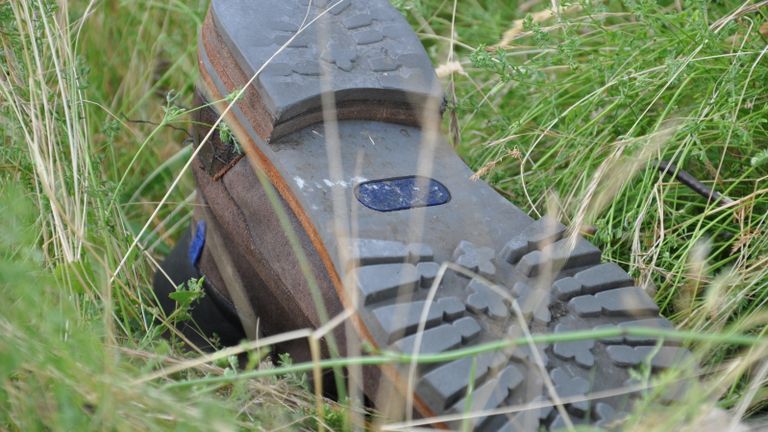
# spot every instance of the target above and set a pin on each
(183, 297)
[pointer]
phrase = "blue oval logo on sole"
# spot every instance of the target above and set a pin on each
(401, 193)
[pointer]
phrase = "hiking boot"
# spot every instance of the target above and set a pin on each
(327, 191)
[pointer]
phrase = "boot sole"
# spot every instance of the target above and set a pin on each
(412, 206)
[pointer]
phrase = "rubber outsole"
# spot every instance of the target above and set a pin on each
(373, 63)
(405, 226)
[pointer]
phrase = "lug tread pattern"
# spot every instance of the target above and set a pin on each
(583, 294)
(362, 46)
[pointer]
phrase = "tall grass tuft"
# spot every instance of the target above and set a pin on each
(41, 86)
(74, 340)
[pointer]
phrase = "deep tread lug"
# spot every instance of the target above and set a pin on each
(559, 256)
(484, 300)
(602, 277)
(657, 323)
(476, 259)
(442, 338)
(539, 234)
(383, 281)
(449, 382)
(491, 394)
(663, 357)
(567, 385)
(371, 251)
(580, 351)
(400, 319)
(428, 272)
(623, 302)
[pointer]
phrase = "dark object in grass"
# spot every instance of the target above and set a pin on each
(670, 169)
(214, 313)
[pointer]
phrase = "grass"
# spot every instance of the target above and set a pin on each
(563, 114)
